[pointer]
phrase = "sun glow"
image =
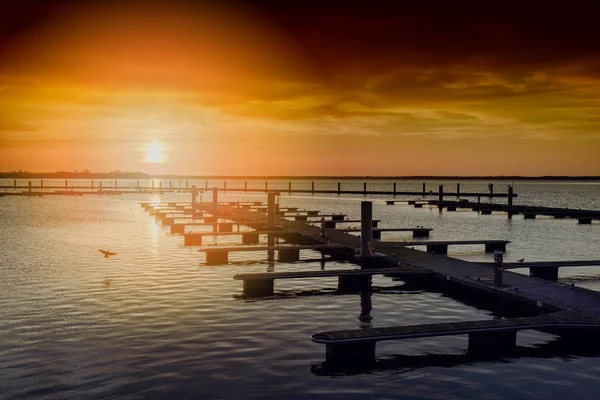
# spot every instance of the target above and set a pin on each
(154, 153)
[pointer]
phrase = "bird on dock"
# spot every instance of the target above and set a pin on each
(521, 260)
(107, 253)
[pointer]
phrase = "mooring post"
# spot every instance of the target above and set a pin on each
(491, 187)
(339, 187)
(116, 184)
(215, 199)
(394, 188)
(42, 184)
(271, 218)
(66, 184)
(441, 194)
(364, 188)
(153, 185)
(205, 184)
(313, 187)
(366, 228)
(29, 186)
(15, 183)
(170, 185)
(245, 186)
(266, 186)
(137, 184)
(92, 186)
(510, 200)
(186, 185)
(194, 194)
(290, 187)
(458, 190)
(224, 185)
(498, 256)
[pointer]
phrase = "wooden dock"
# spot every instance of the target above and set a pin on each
(441, 246)
(484, 336)
(349, 280)
(248, 237)
(218, 255)
(417, 232)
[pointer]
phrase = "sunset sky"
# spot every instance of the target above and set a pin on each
(300, 87)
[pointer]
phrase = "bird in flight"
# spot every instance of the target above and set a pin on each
(107, 253)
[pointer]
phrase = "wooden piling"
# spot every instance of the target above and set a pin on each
(215, 199)
(41, 184)
(290, 187)
(457, 189)
(394, 188)
(364, 188)
(245, 186)
(266, 186)
(366, 228)
(441, 193)
(339, 187)
(66, 184)
(423, 188)
(313, 187)
(29, 186)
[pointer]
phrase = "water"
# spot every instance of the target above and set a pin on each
(155, 322)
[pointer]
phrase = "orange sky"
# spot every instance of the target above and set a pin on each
(256, 88)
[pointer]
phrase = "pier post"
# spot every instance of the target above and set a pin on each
(245, 186)
(205, 184)
(290, 187)
(266, 186)
(339, 187)
(366, 228)
(92, 186)
(170, 185)
(498, 258)
(15, 183)
(29, 186)
(137, 184)
(42, 184)
(270, 218)
(116, 185)
(441, 193)
(194, 194)
(394, 188)
(66, 184)
(186, 185)
(224, 185)
(313, 187)
(458, 190)
(510, 201)
(215, 199)
(364, 188)
(423, 188)
(270, 210)
(491, 187)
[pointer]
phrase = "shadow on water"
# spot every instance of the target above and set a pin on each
(563, 348)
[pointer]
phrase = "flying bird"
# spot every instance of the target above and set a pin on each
(107, 253)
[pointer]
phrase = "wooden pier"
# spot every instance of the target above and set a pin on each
(441, 246)
(417, 232)
(496, 335)
(564, 308)
(349, 280)
(217, 255)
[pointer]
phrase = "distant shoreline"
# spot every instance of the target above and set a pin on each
(141, 175)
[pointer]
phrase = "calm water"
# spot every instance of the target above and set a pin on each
(155, 322)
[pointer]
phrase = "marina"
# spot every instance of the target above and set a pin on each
(401, 308)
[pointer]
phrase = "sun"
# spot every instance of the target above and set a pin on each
(154, 153)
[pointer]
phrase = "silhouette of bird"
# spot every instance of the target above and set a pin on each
(521, 260)
(107, 253)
